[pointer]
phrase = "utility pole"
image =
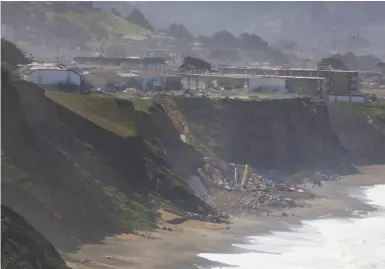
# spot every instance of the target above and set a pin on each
(57, 55)
(101, 56)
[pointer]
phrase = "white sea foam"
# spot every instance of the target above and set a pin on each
(355, 243)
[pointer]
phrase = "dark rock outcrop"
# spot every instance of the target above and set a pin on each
(24, 247)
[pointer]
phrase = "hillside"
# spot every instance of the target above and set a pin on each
(24, 247)
(136, 17)
(63, 24)
(308, 23)
(81, 167)
(77, 161)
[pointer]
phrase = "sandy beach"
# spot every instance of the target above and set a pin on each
(175, 246)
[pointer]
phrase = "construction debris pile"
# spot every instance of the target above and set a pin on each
(219, 217)
(243, 188)
(265, 200)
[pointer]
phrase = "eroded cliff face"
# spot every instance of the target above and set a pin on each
(289, 134)
(359, 130)
(81, 167)
(77, 176)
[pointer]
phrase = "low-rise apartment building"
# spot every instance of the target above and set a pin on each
(340, 82)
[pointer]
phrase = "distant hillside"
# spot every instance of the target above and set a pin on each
(65, 24)
(136, 17)
(305, 22)
(248, 46)
(354, 62)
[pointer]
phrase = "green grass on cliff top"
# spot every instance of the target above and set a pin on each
(372, 109)
(101, 110)
(113, 24)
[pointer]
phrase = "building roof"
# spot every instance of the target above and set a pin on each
(170, 76)
(128, 75)
(108, 59)
(145, 60)
(30, 68)
(279, 69)
(247, 76)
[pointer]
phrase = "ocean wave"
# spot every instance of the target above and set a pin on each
(352, 243)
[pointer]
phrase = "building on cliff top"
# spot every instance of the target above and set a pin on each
(145, 64)
(52, 76)
(311, 86)
(341, 81)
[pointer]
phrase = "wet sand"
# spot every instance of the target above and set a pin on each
(178, 248)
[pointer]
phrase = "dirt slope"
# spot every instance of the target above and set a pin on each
(77, 173)
(24, 247)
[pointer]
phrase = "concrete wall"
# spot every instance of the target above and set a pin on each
(53, 77)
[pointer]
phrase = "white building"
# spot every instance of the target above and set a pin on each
(51, 75)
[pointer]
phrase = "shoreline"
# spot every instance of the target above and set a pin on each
(178, 249)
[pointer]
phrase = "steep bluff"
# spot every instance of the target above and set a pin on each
(80, 167)
(361, 129)
(24, 247)
(288, 134)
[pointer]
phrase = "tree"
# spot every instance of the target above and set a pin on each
(11, 54)
(195, 64)
(137, 17)
(252, 42)
(116, 12)
(204, 40)
(224, 39)
(334, 62)
(381, 66)
(179, 31)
